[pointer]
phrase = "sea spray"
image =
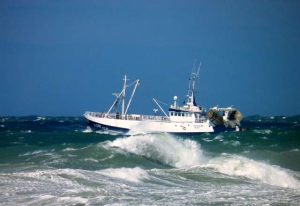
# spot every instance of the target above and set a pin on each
(235, 165)
(180, 153)
(162, 147)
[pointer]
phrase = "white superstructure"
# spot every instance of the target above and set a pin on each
(186, 119)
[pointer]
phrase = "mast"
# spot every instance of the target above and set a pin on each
(192, 87)
(123, 95)
(137, 83)
(115, 102)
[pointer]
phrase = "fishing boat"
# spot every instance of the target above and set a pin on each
(189, 118)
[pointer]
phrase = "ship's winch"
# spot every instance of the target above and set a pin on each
(229, 117)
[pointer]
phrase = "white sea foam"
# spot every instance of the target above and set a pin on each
(129, 174)
(162, 147)
(235, 143)
(188, 154)
(40, 119)
(91, 160)
(32, 153)
(207, 139)
(87, 130)
(240, 166)
(52, 178)
(73, 200)
(45, 197)
(110, 132)
(107, 158)
(219, 137)
(55, 176)
(263, 131)
(69, 149)
(27, 131)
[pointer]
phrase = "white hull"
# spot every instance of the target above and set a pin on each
(151, 125)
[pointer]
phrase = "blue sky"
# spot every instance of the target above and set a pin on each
(65, 57)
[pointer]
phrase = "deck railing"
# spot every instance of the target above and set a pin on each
(128, 116)
(137, 117)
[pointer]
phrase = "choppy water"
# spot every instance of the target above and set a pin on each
(58, 161)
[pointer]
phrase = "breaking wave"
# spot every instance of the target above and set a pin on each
(235, 165)
(162, 147)
(187, 154)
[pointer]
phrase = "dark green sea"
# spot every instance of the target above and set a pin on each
(59, 161)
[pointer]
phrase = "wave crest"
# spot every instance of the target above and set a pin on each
(162, 147)
(187, 154)
(241, 166)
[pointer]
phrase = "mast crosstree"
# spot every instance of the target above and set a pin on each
(122, 96)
